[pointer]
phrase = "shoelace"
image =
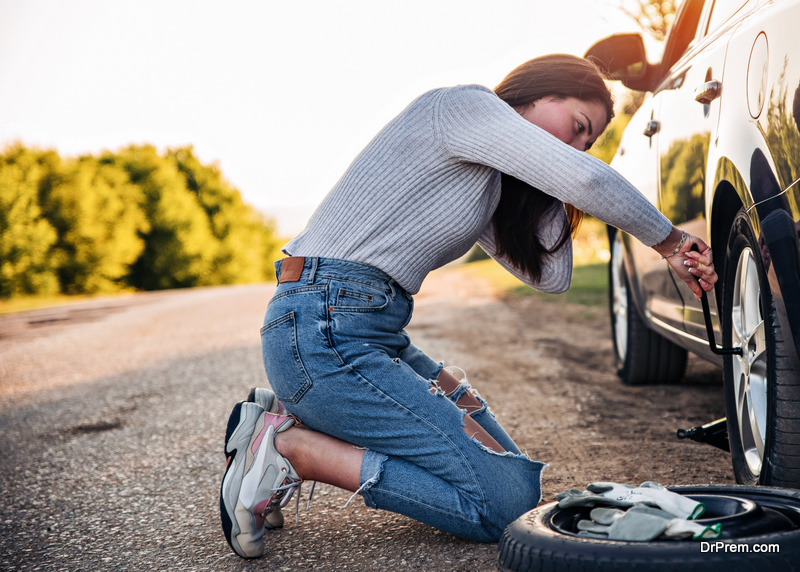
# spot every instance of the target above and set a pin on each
(297, 499)
(283, 494)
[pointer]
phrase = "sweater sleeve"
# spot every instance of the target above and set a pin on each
(478, 127)
(556, 268)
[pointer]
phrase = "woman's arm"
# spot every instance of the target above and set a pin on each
(478, 127)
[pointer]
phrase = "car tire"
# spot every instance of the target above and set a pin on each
(761, 388)
(643, 357)
(545, 539)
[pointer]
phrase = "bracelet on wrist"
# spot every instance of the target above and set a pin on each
(677, 248)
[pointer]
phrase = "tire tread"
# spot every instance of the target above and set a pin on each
(657, 360)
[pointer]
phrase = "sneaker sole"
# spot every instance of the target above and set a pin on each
(238, 437)
(267, 400)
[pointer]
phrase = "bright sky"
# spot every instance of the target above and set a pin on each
(282, 95)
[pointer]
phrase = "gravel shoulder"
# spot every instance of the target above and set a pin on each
(112, 414)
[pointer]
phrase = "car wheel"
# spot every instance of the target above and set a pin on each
(642, 356)
(761, 389)
(760, 528)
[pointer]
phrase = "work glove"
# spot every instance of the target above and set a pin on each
(625, 496)
(652, 494)
(642, 523)
(578, 498)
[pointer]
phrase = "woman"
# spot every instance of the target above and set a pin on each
(379, 417)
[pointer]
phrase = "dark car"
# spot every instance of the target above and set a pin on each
(716, 146)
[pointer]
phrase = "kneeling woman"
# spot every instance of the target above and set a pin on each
(503, 168)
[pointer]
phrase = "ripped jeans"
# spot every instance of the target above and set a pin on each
(338, 358)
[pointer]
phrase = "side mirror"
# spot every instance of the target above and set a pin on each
(623, 57)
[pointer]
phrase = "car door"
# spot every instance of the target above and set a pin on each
(635, 159)
(687, 113)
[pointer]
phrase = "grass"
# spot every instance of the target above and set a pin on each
(589, 275)
(589, 287)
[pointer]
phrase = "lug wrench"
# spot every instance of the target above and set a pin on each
(712, 344)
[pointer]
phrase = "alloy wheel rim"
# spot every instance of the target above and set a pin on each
(750, 368)
(619, 297)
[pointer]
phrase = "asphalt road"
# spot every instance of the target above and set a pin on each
(113, 412)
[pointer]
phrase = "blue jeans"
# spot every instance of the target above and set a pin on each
(338, 358)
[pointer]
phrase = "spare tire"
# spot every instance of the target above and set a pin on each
(761, 528)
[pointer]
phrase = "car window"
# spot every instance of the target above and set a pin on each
(722, 11)
(684, 30)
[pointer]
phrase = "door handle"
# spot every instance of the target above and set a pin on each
(708, 92)
(652, 128)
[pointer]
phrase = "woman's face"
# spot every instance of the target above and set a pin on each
(575, 122)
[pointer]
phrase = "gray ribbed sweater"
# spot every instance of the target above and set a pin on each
(424, 189)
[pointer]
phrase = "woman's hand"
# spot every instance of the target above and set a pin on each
(694, 268)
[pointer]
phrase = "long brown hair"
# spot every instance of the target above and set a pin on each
(523, 206)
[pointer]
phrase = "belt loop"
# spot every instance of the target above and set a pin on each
(314, 263)
(391, 287)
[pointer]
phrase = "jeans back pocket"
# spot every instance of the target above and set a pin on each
(282, 361)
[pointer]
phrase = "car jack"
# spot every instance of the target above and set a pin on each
(714, 433)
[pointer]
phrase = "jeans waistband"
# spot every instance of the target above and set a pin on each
(316, 267)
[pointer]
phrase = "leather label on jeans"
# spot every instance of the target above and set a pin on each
(291, 269)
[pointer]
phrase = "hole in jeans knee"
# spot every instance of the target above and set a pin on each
(458, 392)
(434, 389)
(479, 435)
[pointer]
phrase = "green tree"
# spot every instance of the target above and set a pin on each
(245, 239)
(26, 237)
(99, 216)
(131, 218)
(179, 245)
